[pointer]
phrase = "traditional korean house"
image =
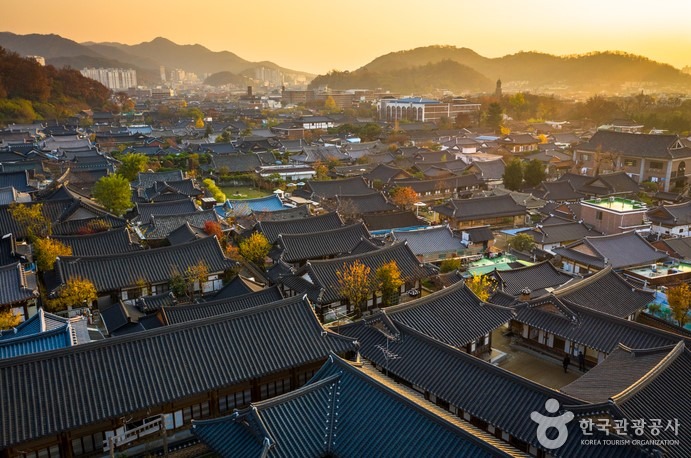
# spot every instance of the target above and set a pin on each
(325, 190)
(548, 237)
(495, 211)
(129, 275)
(212, 371)
(311, 225)
(297, 249)
(18, 290)
(355, 206)
(382, 224)
(671, 220)
(115, 241)
(620, 251)
(642, 388)
(472, 389)
(358, 401)
(531, 281)
(441, 188)
(431, 244)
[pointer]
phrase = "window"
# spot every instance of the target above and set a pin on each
(655, 165)
(630, 162)
(598, 215)
(585, 157)
(234, 400)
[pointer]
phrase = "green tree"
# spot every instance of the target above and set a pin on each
(114, 193)
(389, 282)
(513, 175)
(355, 285)
(449, 265)
(255, 248)
(76, 291)
(178, 285)
(521, 242)
(31, 218)
(132, 164)
(495, 116)
(679, 298)
(47, 250)
(224, 137)
(534, 173)
(481, 285)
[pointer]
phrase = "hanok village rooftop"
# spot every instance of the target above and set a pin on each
(295, 314)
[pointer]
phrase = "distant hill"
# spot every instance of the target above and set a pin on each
(223, 78)
(446, 74)
(30, 91)
(593, 72)
(145, 57)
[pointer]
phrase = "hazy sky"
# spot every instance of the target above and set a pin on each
(321, 35)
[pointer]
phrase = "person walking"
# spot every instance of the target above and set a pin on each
(581, 361)
(566, 363)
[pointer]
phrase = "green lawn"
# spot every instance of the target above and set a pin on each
(243, 192)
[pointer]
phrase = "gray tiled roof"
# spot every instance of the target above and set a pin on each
(453, 315)
(673, 215)
(13, 286)
(481, 207)
(146, 211)
(617, 250)
(332, 416)
(163, 225)
(597, 330)
(490, 170)
(561, 190)
(607, 292)
(323, 273)
(210, 354)
(638, 145)
(395, 220)
(184, 234)
(184, 313)
(536, 278)
(313, 224)
(299, 212)
(147, 179)
(431, 240)
(681, 246)
(374, 202)
(463, 182)
(319, 245)
(331, 188)
(101, 243)
(568, 231)
(154, 266)
(471, 384)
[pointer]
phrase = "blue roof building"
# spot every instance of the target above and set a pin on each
(244, 207)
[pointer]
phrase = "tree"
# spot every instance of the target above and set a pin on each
(114, 193)
(679, 298)
(197, 275)
(76, 292)
(482, 286)
(214, 190)
(513, 175)
(330, 105)
(31, 218)
(322, 171)
(47, 250)
(389, 282)
(521, 242)
(255, 248)
(449, 265)
(132, 164)
(495, 116)
(8, 319)
(534, 173)
(214, 228)
(355, 285)
(403, 196)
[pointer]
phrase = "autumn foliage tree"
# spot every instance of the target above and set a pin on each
(8, 319)
(481, 285)
(132, 164)
(679, 298)
(389, 282)
(355, 285)
(403, 196)
(521, 242)
(196, 275)
(255, 248)
(47, 250)
(214, 228)
(76, 292)
(31, 218)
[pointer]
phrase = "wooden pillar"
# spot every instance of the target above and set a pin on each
(65, 445)
(255, 392)
(213, 404)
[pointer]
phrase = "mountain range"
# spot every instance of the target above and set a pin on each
(529, 71)
(422, 70)
(146, 58)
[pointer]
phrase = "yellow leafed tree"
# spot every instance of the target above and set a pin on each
(355, 285)
(481, 285)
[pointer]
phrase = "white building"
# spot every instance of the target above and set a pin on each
(113, 78)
